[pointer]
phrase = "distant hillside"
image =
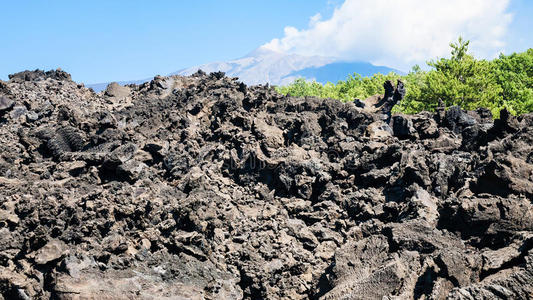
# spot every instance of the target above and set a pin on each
(340, 70)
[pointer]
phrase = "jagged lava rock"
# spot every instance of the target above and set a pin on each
(202, 187)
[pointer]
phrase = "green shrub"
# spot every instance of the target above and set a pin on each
(505, 82)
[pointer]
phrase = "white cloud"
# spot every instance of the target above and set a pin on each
(400, 33)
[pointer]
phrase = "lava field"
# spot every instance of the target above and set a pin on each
(202, 187)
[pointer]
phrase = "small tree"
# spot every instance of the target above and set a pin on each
(461, 80)
(459, 49)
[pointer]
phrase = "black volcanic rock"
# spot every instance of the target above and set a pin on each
(202, 187)
(5, 103)
(38, 75)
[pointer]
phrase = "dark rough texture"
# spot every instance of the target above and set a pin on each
(203, 188)
(381, 105)
(39, 75)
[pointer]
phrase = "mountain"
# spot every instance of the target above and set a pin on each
(263, 66)
(266, 66)
(116, 205)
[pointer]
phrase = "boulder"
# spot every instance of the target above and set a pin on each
(5, 103)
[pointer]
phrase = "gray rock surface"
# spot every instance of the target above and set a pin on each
(204, 188)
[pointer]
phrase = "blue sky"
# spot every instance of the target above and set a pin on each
(520, 34)
(102, 41)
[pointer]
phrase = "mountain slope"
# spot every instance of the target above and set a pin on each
(266, 66)
(262, 66)
(340, 70)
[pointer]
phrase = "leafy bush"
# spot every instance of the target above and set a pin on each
(505, 82)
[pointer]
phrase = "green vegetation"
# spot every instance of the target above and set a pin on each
(504, 82)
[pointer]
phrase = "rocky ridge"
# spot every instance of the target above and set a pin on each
(202, 187)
